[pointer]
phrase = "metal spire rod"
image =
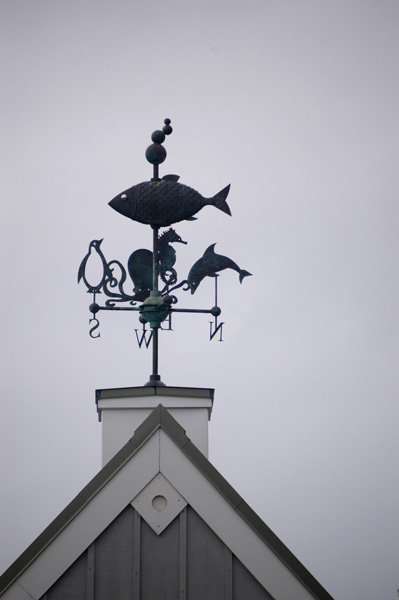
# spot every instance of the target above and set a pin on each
(155, 378)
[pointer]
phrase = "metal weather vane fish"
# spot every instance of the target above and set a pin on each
(153, 277)
(162, 202)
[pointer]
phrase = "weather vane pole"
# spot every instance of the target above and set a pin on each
(159, 203)
(156, 154)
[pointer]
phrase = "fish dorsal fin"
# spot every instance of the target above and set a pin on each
(171, 177)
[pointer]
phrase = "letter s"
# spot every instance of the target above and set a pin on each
(95, 326)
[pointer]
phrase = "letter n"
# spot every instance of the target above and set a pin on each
(217, 328)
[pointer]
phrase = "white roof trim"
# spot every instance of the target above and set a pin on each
(88, 524)
(221, 517)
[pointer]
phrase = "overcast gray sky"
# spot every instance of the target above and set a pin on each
(295, 103)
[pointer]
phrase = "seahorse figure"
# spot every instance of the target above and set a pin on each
(167, 256)
(140, 264)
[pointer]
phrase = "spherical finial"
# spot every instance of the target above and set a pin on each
(155, 154)
(167, 129)
(158, 136)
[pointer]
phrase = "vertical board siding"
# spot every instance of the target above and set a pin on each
(136, 565)
(245, 585)
(160, 562)
(228, 573)
(114, 559)
(129, 561)
(72, 585)
(183, 555)
(90, 573)
(205, 561)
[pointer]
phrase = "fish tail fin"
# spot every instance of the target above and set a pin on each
(220, 200)
(243, 274)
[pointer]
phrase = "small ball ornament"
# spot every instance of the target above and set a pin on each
(158, 136)
(155, 154)
(215, 311)
(167, 129)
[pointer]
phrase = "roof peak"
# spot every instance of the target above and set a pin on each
(161, 419)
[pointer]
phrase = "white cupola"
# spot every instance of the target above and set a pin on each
(123, 410)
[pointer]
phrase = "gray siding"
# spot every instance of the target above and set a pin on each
(130, 562)
(206, 561)
(73, 584)
(160, 562)
(113, 554)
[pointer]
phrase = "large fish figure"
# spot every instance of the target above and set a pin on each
(164, 201)
(208, 265)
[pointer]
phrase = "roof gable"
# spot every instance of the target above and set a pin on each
(159, 445)
(187, 560)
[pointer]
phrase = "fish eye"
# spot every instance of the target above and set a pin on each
(124, 197)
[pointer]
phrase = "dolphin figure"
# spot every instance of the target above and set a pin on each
(208, 265)
(162, 202)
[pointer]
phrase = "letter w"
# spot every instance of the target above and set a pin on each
(143, 338)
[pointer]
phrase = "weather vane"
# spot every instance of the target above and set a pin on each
(158, 203)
